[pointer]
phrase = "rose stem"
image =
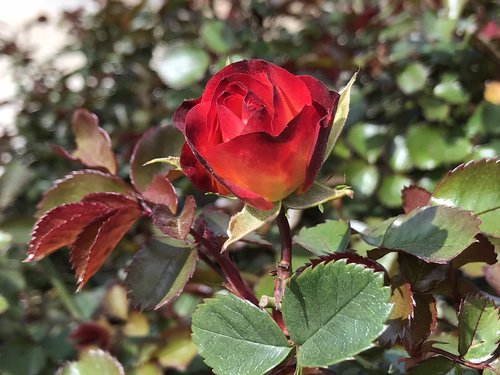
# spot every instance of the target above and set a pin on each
(284, 266)
(231, 272)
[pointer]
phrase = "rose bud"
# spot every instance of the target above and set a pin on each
(257, 132)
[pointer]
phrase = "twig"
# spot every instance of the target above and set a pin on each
(284, 266)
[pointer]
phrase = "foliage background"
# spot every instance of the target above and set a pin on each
(418, 109)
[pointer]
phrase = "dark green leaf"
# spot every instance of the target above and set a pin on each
(334, 311)
(236, 337)
(324, 238)
(436, 366)
(159, 142)
(479, 329)
(217, 36)
(435, 234)
(158, 273)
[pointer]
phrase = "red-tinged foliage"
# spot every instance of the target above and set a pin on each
(160, 191)
(93, 227)
(88, 256)
(421, 324)
(93, 145)
(414, 197)
(61, 226)
(91, 334)
(480, 251)
(175, 226)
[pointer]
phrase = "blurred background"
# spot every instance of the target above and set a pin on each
(427, 98)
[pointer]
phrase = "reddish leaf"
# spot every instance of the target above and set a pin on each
(402, 311)
(93, 145)
(157, 142)
(112, 200)
(422, 276)
(492, 276)
(480, 251)
(175, 226)
(73, 187)
(161, 191)
(421, 324)
(414, 197)
(61, 226)
(91, 334)
(87, 256)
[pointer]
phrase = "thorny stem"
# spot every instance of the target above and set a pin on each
(231, 273)
(284, 266)
(477, 366)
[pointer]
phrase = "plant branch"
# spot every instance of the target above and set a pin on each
(284, 266)
(477, 366)
(230, 271)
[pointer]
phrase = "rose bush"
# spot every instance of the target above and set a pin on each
(257, 132)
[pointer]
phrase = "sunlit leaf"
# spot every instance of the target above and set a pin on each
(473, 186)
(436, 234)
(479, 328)
(236, 337)
(334, 311)
(93, 362)
(390, 190)
(340, 115)
(158, 273)
(180, 65)
(178, 350)
(93, 145)
(316, 195)
(367, 140)
(324, 238)
(413, 78)
(248, 220)
(15, 176)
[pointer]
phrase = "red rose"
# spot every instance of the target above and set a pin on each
(257, 132)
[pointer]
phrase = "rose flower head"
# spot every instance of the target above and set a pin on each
(257, 132)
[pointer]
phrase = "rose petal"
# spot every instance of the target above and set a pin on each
(274, 166)
(199, 131)
(181, 113)
(198, 174)
(229, 124)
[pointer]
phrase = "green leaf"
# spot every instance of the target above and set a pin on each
(181, 65)
(4, 304)
(173, 161)
(413, 78)
(429, 147)
(316, 195)
(217, 36)
(479, 329)
(399, 160)
(436, 366)
(158, 273)
(178, 350)
(451, 90)
(160, 143)
(76, 185)
(324, 238)
(334, 311)
(15, 176)
(235, 337)
(434, 110)
(248, 220)
(361, 176)
(340, 116)
(95, 361)
(473, 186)
(435, 234)
(367, 140)
(390, 189)
(374, 234)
